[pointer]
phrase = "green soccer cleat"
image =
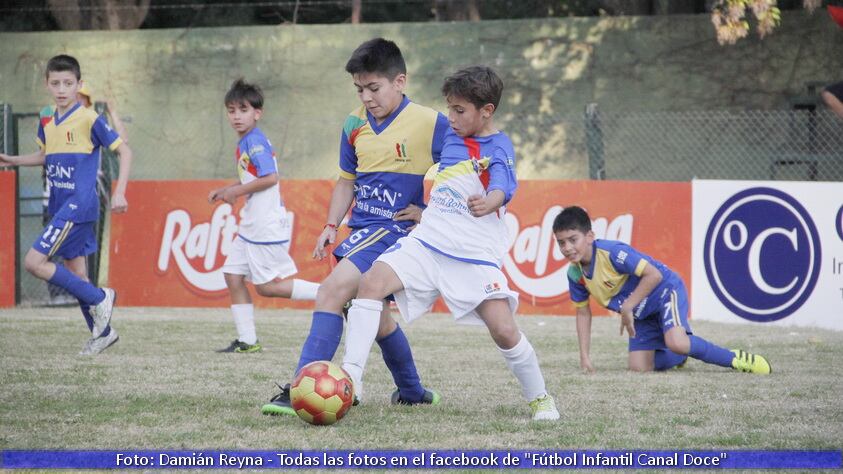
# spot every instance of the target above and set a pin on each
(752, 363)
(280, 403)
(241, 347)
(544, 408)
(430, 397)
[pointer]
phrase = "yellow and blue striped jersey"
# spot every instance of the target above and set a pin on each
(388, 161)
(71, 146)
(615, 271)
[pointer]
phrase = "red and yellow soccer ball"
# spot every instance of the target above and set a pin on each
(322, 393)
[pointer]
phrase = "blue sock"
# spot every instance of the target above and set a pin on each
(708, 352)
(81, 289)
(666, 359)
(86, 313)
(323, 340)
(399, 359)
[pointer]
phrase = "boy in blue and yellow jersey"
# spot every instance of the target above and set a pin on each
(259, 253)
(650, 298)
(387, 146)
(457, 250)
(70, 144)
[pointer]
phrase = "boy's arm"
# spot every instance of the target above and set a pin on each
(341, 199)
(650, 279)
(118, 199)
(33, 159)
(584, 338)
(115, 120)
(230, 193)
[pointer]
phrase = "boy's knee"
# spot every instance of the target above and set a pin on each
(32, 263)
(370, 286)
(263, 290)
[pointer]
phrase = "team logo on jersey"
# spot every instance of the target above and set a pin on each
(70, 138)
(762, 254)
(492, 287)
(401, 151)
(608, 284)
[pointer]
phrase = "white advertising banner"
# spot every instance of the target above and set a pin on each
(768, 252)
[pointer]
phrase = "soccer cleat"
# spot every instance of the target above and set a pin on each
(430, 397)
(752, 363)
(280, 403)
(241, 347)
(101, 313)
(96, 345)
(544, 408)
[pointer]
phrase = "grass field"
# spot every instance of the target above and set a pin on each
(162, 386)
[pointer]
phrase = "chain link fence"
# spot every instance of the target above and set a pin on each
(800, 145)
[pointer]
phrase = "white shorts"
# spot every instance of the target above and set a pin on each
(260, 263)
(427, 274)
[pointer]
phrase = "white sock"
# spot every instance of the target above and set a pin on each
(244, 320)
(363, 320)
(522, 361)
(304, 290)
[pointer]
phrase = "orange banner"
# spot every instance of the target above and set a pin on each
(169, 248)
(8, 237)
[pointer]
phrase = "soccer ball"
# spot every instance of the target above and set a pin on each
(322, 393)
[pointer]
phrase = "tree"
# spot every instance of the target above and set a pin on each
(729, 17)
(99, 14)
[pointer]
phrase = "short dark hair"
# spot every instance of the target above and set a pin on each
(379, 56)
(62, 63)
(572, 218)
(242, 92)
(476, 84)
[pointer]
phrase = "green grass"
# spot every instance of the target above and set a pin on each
(162, 386)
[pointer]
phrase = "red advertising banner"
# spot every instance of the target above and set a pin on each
(8, 234)
(169, 248)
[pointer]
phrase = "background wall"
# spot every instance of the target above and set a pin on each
(171, 82)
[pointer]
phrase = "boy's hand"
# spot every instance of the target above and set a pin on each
(213, 196)
(327, 237)
(627, 322)
(409, 213)
(479, 206)
(585, 363)
(119, 204)
(7, 160)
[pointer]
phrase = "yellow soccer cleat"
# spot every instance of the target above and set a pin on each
(752, 363)
(544, 408)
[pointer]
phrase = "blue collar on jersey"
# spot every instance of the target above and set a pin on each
(379, 128)
(255, 128)
(59, 120)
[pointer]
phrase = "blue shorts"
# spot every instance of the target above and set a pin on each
(67, 239)
(365, 245)
(649, 330)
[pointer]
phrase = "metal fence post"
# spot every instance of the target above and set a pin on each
(594, 143)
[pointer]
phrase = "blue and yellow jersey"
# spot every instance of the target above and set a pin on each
(615, 271)
(388, 161)
(71, 146)
(469, 166)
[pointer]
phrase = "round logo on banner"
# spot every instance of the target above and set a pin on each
(838, 223)
(762, 254)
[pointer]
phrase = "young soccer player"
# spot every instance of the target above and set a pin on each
(259, 252)
(70, 144)
(458, 248)
(650, 298)
(387, 146)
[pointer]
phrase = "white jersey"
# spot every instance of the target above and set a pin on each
(469, 166)
(263, 218)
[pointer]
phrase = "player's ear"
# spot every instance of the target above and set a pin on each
(258, 114)
(400, 82)
(487, 110)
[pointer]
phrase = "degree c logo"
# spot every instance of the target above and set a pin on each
(762, 254)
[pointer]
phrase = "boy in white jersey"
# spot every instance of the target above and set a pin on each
(259, 252)
(457, 249)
